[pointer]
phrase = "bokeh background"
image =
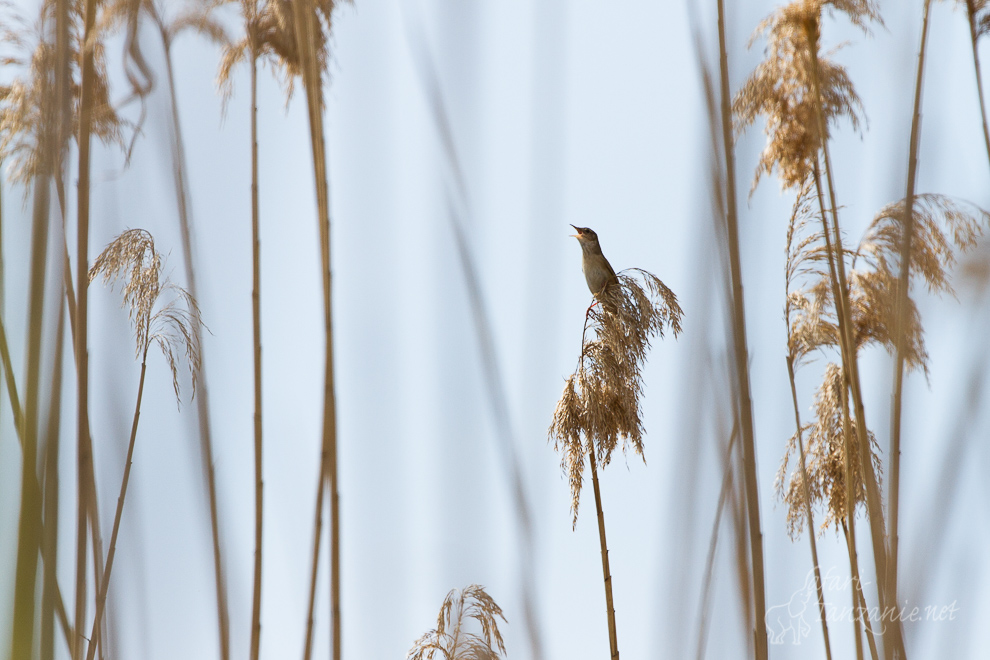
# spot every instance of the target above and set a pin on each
(506, 121)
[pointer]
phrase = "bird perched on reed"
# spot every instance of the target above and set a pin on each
(597, 270)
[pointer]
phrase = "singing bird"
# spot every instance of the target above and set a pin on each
(597, 270)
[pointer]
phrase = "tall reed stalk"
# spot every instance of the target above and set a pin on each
(168, 33)
(849, 524)
(29, 529)
(459, 212)
(613, 641)
(30, 524)
(306, 28)
(901, 315)
(84, 455)
(812, 530)
(167, 323)
(835, 259)
(741, 353)
(892, 633)
(256, 335)
(104, 586)
(49, 542)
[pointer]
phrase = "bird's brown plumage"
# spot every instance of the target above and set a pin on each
(598, 272)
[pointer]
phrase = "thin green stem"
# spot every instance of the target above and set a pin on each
(15, 404)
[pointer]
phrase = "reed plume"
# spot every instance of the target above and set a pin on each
(600, 403)
(23, 99)
(782, 88)
(451, 640)
(270, 36)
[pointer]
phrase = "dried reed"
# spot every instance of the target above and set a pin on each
(600, 403)
(743, 404)
(794, 354)
(312, 27)
(163, 314)
(266, 31)
(903, 318)
(978, 15)
(29, 531)
(451, 639)
(801, 93)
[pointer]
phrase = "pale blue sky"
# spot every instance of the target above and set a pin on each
(561, 112)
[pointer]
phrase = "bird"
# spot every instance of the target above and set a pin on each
(598, 271)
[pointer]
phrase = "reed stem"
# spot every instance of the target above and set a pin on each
(900, 325)
(29, 529)
(892, 633)
(849, 524)
(314, 570)
(49, 541)
(613, 642)
(201, 386)
(84, 457)
(973, 36)
(807, 510)
(256, 325)
(741, 353)
(306, 39)
(101, 599)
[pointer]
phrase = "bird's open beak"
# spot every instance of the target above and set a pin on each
(578, 234)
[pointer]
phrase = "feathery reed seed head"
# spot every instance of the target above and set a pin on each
(27, 103)
(941, 227)
(270, 34)
(782, 88)
(451, 640)
(600, 403)
(826, 456)
(161, 312)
